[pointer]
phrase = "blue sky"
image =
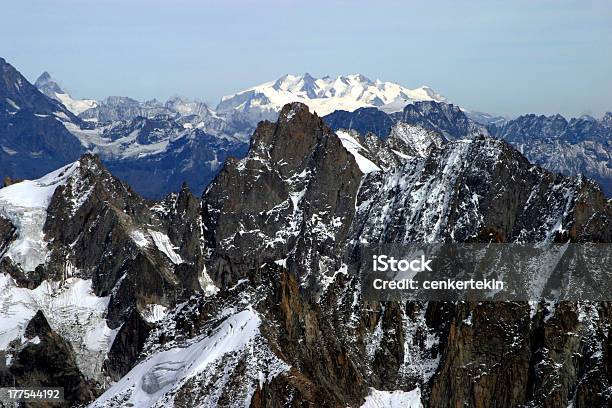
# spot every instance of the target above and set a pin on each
(505, 57)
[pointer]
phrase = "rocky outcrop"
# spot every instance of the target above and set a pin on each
(128, 345)
(101, 229)
(447, 119)
(8, 181)
(7, 233)
(269, 205)
(47, 360)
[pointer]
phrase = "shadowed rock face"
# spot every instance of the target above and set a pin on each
(7, 231)
(33, 140)
(47, 360)
(257, 210)
(362, 120)
(127, 346)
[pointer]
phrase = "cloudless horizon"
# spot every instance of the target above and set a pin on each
(506, 58)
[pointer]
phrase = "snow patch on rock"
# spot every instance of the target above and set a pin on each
(393, 399)
(154, 313)
(354, 148)
(162, 242)
(76, 106)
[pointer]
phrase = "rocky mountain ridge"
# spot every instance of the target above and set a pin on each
(571, 147)
(39, 134)
(47, 85)
(576, 146)
(249, 296)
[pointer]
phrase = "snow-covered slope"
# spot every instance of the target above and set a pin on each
(393, 399)
(72, 310)
(25, 205)
(158, 380)
(75, 106)
(324, 95)
(354, 148)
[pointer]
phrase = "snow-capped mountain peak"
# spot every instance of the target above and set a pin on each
(48, 86)
(324, 95)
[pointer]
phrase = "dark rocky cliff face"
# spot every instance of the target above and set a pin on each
(268, 205)
(287, 323)
(47, 360)
(362, 120)
(7, 233)
(33, 140)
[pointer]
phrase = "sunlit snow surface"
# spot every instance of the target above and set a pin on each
(154, 313)
(160, 240)
(71, 308)
(25, 205)
(76, 106)
(354, 148)
(325, 95)
(393, 399)
(156, 380)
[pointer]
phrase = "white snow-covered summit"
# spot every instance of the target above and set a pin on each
(47, 85)
(324, 95)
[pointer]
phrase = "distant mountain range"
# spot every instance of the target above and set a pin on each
(182, 140)
(578, 146)
(154, 146)
(324, 95)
